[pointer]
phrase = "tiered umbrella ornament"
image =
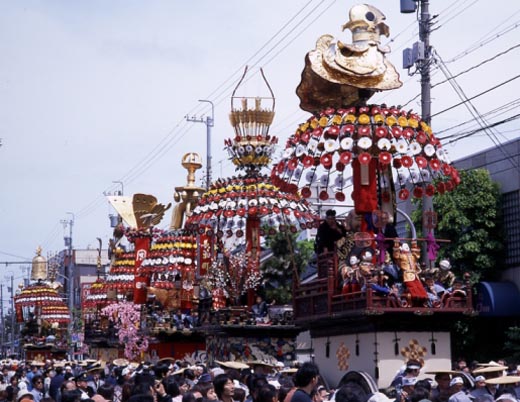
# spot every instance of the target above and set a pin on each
(380, 144)
(121, 274)
(40, 299)
(252, 147)
(171, 266)
(227, 207)
(172, 256)
(346, 142)
(240, 209)
(98, 296)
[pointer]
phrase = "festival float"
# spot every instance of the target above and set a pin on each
(361, 311)
(233, 217)
(143, 307)
(43, 312)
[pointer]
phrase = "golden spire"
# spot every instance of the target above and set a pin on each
(188, 195)
(39, 266)
(252, 146)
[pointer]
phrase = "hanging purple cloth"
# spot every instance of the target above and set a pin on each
(433, 247)
(380, 240)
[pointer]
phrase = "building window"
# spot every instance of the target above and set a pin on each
(511, 214)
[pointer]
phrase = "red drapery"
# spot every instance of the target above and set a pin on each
(141, 280)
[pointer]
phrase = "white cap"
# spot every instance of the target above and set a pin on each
(216, 371)
(275, 383)
(506, 397)
(379, 397)
(128, 370)
(445, 265)
(22, 393)
(480, 378)
(456, 380)
(409, 381)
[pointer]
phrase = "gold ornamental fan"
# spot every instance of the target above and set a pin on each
(139, 211)
(147, 211)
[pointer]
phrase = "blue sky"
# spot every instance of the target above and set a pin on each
(93, 92)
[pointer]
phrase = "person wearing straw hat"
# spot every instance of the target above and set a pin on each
(458, 392)
(504, 384)
(441, 393)
(490, 372)
(480, 382)
(95, 380)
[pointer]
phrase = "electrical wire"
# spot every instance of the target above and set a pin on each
(15, 256)
(504, 108)
(51, 237)
(473, 110)
(484, 42)
(241, 68)
(496, 56)
(457, 14)
(224, 94)
(463, 102)
(168, 141)
(458, 136)
(174, 135)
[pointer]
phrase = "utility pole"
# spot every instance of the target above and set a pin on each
(421, 53)
(209, 121)
(421, 56)
(12, 314)
(70, 279)
(3, 322)
(424, 63)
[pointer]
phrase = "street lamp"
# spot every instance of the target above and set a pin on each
(122, 187)
(116, 219)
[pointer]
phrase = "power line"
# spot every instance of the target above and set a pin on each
(477, 95)
(457, 13)
(161, 149)
(458, 136)
(164, 145)
(473, 110)
(14, 255)
(484, 42)
(465, 71)
(496, 56)
(222, 95)
(241, 68)
(504, 108)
